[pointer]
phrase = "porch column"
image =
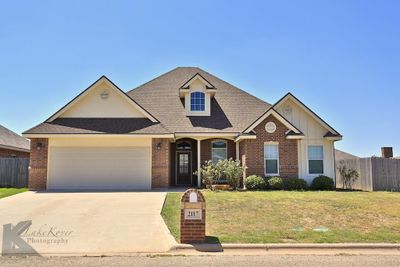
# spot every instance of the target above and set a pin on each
(237, 151)
(198, 163)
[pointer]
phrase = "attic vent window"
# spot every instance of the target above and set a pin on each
(104, 94)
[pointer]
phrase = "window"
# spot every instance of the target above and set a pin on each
(315, 160)
(183, 145)
(271, 159)
(218, 150)
(197, 101)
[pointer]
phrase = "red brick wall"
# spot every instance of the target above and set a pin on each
(254, 150)
(206, 149)
(160, 163)
(193, 231)
(8, 153)
(38, 164)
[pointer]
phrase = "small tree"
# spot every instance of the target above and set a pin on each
(349, 175)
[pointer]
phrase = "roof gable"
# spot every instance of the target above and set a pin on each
(102, 99)
(278, 116)
(308, 111)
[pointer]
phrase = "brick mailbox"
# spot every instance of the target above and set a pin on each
(193, 217)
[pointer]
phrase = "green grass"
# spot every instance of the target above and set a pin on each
(5, 192)
(282, 217)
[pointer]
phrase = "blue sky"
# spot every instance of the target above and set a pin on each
(341, 58)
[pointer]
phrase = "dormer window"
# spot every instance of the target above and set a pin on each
(197, 101)
(198, 93)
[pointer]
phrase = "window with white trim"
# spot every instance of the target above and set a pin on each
(197, 101)
(218, 150)
(271, 159)
(315, 159)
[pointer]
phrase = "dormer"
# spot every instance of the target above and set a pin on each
(197, 92)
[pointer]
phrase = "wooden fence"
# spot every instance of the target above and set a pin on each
(14, 172)
(376, 174)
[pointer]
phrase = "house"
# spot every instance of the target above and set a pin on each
(160, 133)
(13, 145)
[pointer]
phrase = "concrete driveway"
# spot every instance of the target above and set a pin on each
(85, 223)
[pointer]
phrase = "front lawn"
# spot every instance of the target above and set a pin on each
(5, 192)
(298, 217)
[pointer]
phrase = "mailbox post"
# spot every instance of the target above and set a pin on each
(193, 217)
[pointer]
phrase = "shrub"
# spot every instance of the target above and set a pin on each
(322, 183)
(275, 183)
(349, 175)
(232, 170)
(208, 173)
(295, 184)
(255, 182)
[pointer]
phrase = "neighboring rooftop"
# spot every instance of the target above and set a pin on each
(341, 155)
(13, 141)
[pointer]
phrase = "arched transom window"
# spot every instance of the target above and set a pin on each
(218, 150)
(197, 101)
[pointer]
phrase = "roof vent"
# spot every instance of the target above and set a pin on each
(104, 94)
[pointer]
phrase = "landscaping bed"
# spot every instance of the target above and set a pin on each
(5, 192)
(295, 217)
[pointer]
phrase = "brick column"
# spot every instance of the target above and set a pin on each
(160, 163)
(38, 164)
(193, 230)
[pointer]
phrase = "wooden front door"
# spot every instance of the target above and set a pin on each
(183, 168)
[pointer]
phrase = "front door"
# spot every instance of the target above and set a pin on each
(183, 168)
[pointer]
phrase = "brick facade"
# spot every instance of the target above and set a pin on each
(160, 163)
(205, 153)
(9, 153)
(254, 150)
(193, 231)
(38, 164)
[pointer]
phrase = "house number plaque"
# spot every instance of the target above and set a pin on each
(193, 214)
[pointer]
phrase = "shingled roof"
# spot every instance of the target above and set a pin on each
(11, 140)
(232, 109)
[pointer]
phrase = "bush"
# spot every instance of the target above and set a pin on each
(255, 182)
(275, 183)
(231, 170)
(295, 184)
(322, 183)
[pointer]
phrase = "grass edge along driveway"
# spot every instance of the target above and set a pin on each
(295, 217)
(6, 192)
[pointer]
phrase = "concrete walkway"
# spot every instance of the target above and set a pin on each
(87, 223)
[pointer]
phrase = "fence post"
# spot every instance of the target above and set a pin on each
(244, 166)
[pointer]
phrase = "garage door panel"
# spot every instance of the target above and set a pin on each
(99, 168)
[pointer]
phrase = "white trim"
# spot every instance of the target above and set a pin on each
(244, 137)
(237, 151)
(264, 159)
(197, 76)
(198, 163)
(226, 147)
(15, 148)
(333, 138)
(112, 86)
(308, 160)
(277, 116)
(98, 135)
(296, 137)
(307, 110)
(230, 136)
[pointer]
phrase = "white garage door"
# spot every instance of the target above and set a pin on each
(99, 168)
